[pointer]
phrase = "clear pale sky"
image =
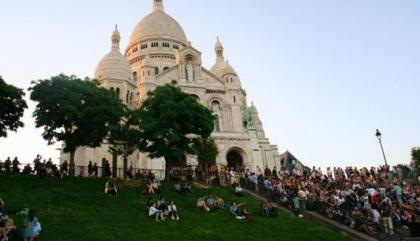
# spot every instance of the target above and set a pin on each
(324, 74)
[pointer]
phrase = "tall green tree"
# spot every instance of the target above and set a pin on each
(124, 139)
(12, 106)
(74, 111)
(415, 156)
(207, 152)
(171, 123)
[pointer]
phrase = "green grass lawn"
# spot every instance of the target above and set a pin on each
(76, 209)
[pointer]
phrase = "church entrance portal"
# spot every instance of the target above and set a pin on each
(235, 160)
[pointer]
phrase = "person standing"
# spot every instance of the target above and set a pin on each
(95, 170)
(7, 165)
(130, 172)
(15, 166)
(107, 169)
(90, 169)
(274, 173)
(386, 218)
(103, 167)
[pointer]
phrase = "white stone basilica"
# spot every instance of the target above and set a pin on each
(158, 53)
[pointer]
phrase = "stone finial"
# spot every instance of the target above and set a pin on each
(219, 50)
(157, 5)
(115, 38)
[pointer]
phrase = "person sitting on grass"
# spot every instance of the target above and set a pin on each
(149, 203)
(235, 210)
(155, 213)
(11, 231)
(177, 187)
(173, 212)
(111, 188)
(264, 210)
(247, 215)
(161, 204)
(3, 235)
(2, 208)
(201, 204)
(272, 211)
(32, 227)
(156, 186)
(210, 202)
(185, 188)
(149, 188)
(27, 170)
(238, 190)
(219, 204)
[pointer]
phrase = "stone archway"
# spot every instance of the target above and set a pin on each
(235, 159)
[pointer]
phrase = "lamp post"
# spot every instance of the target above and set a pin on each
(379, 136)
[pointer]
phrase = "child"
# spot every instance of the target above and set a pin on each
(173, 212)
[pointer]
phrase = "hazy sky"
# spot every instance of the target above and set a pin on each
(324, 74)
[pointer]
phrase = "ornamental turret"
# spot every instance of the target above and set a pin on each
(113, 72)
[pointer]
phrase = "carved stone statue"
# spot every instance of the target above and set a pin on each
(190, 71)
(246, 117)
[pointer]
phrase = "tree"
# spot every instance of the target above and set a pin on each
(207, 152)
(74, 111)
(171, 122)
(12, 107)
(124, 139)
(415, 156)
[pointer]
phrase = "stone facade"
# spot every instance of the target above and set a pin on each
(159, 53)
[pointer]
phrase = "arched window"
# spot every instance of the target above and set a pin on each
(148, 73)
(195, 97)
(234, 99)
(156, 70)
(231, 80)
(126, 97)
(165, 68)
(131, 97)
(135, 76)
(215, 106)
(216, 123)
(112, 89)
(117, 92)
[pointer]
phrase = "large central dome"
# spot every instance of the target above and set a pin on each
(158, 24)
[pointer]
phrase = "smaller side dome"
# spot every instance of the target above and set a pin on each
(228, 69)
(218, 68)
(114, 65)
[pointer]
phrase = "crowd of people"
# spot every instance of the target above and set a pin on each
(369, 200)
(40, 167)
(9, 232)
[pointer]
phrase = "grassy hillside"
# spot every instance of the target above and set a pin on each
(76, 209)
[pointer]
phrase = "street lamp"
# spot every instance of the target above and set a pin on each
(379, 136)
